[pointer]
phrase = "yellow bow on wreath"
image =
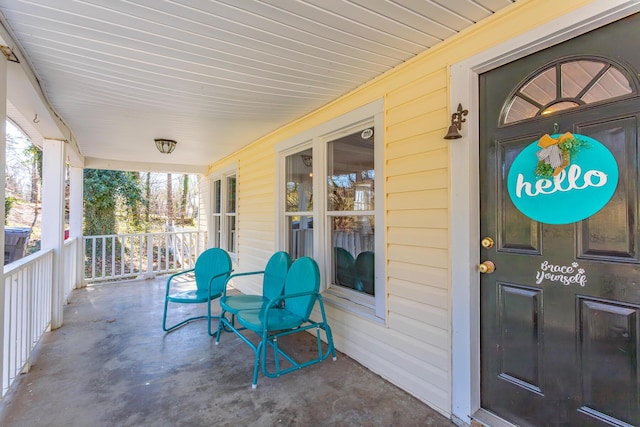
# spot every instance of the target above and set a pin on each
(551, 153)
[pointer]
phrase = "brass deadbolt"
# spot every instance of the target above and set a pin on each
(487, 242)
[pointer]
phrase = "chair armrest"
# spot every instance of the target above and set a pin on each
(248, 273)
(175, 275)
(225, 273)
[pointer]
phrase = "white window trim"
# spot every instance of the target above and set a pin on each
(222, 175)
(373, 308)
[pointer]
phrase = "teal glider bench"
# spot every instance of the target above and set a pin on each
(285, 315)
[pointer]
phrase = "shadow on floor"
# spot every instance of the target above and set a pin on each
(112, 365)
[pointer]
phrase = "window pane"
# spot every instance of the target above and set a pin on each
(299, 178)
(576, 75)
(216, 196)
(350, 177)
(352, 239)
(216, 231)
(520, 110)
(564, 105)
(231, 194)
(231, 234)
(300, 236)
(542, 88)
(610, 85)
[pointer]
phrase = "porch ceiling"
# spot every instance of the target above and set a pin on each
(213, 75)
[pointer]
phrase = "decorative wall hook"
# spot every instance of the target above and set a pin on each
(457, 119)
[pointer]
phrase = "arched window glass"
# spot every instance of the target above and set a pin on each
(566, 85)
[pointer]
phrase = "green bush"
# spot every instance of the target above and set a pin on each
(8, 204)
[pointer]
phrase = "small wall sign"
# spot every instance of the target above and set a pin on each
(560, 179)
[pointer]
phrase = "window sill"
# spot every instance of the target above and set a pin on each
(352, 302)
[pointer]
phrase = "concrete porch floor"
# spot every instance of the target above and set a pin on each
(112, 365)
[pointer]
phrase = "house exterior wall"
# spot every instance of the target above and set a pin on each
(412, 348)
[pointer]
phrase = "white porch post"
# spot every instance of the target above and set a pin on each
(204, 213)
(53, 163)
(76, 191)
(4, 354)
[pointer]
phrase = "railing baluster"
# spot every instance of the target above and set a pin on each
(93, 258)
(104, 256)
(165, 253)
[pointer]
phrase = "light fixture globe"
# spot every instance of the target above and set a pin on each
(165, 146)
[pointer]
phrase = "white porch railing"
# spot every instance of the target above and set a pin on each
(27, 294)
(126, 256)
(70, 267)
(26, 302)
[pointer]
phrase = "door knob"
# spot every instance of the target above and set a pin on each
(487, 242)
(487, 267)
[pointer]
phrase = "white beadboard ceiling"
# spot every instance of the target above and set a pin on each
(214, 74)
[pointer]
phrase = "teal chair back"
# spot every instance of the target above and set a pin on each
(345, 268)
(275, 273)
(365, 267)
(303, 276)
(211, 262)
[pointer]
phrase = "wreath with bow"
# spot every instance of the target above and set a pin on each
(556, 153)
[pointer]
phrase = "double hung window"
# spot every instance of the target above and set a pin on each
(224, 215)
(327, 206)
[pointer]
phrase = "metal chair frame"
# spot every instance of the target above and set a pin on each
(196, 296)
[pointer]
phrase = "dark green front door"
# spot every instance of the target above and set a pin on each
(562, 348)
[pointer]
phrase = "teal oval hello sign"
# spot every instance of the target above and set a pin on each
(560, 179)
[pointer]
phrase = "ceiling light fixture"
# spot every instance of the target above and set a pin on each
(165, 146)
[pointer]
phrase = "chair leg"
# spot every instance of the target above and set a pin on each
(221, 326)
(209, 317)
(182, 323)
(260, 349)
(164, 315)
(327, 331)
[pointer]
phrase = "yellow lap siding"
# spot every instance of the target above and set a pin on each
(418, 107)
(418, 273)
(419, 255)
(424, 84)
(433, 218)
(423, 123)
(427, 199)
(421, 143)
(436, 317)
(419, 163)
(421, 292)
(426, 332)
(430, 237)
(427, 180)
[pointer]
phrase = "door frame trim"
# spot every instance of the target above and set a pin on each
(464, 209)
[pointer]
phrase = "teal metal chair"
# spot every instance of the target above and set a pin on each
(285, 315)
(273, 277)
(212, 270)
